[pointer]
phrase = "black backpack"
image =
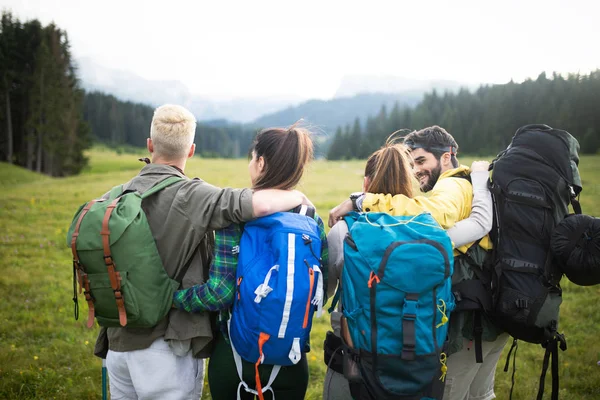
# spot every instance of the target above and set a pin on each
(533, 182)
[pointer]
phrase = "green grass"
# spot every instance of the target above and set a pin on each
(45, 353)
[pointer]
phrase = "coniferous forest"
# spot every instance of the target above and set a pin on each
(40, 99)
(47, 120)
(115, 123)
(483, 122)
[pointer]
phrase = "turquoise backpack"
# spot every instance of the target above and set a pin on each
(396, 299)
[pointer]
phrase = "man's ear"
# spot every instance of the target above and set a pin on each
(150, 145)
(192, 150)
(447, 160)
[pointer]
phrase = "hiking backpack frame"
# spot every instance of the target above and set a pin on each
(533, 182)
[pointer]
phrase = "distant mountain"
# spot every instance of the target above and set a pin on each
(128, 86)
(354, 84)
(327, 115)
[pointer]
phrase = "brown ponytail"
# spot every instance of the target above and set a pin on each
(285, 152)
(388, 170)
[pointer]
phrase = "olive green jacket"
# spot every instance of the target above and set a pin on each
(182, 218)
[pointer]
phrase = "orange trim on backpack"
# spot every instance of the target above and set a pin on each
(262, 339)
(239, 282)
(372, 278)
(311, 273)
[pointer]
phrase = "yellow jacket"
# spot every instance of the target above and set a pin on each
(448, 202)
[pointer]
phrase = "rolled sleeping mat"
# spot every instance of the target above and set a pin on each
(576, 244)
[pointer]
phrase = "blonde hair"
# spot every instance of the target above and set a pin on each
(172, 131)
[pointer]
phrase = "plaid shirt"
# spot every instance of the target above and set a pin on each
(219, 290)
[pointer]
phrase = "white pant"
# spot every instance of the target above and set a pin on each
(154, 373)
(468, 380)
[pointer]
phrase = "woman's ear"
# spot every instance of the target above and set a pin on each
(366, 183)
(260, 164)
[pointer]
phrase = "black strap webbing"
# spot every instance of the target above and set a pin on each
(477, 332)
(76, 309)
(576, 235)
(409, 334)
(472, 295)
(515, 346)
(336, 299)
(551, 351)
(576, 205)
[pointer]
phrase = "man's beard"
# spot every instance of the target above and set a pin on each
(433, 175)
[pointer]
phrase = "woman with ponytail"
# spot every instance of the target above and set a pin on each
(388, 170)
(278, 160)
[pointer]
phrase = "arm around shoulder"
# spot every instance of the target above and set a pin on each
(479, 222)
(335, 239)
(269, 201)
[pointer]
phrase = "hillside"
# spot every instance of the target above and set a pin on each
(327, 115)
(12, 175)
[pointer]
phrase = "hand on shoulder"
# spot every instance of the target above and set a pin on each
(477, 166)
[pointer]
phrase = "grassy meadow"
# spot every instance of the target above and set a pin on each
(46, 354)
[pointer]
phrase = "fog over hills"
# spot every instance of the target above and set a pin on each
(128, 86)
(357, 96)
(353, 84)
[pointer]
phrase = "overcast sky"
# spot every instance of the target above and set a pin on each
(304, 48)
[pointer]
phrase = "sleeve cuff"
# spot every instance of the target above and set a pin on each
(246, 205)
(479, 180)
(359, 202)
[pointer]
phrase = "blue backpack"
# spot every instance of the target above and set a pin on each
(396, 298)
(279, 285)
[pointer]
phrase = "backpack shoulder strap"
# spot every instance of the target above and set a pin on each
(115, 192)
(161, 185)
(351, 218)
(304, 209)
(466, 176)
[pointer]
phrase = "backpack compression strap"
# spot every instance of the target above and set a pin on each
(113, 275)
(238, 366)
(79, 271)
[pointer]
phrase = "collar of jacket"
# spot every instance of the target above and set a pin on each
(161, 169)
(461, 170)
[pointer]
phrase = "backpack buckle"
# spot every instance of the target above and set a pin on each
(108, 260)
(522, 303)
(457, 296)
(88, 296)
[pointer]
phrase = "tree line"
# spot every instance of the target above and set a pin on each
(47, 120)
(40, 99)
(115, 122)
(484, 121)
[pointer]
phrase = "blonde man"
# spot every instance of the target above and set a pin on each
(167, 360)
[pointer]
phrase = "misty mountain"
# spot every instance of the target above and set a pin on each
(355, 84)
(327, 115)
(128, 86)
